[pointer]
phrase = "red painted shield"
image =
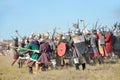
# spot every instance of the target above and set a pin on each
(61, 49)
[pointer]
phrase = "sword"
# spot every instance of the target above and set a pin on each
(13, 47)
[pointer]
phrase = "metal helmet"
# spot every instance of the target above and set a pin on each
(77, 32)
(42, 39)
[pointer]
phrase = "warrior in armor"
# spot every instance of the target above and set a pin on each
(32, 45)
(94, 45)
(101, 44)
(79, 50)
(69, 49)
(22, 57)
(14, 51)
(116, 43)
(45, 51)
(108, 43)
(69, 45)
(59, 59)
(89, 50)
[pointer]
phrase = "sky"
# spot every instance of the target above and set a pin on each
(41, 16)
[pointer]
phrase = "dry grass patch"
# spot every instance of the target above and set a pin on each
(108, 71)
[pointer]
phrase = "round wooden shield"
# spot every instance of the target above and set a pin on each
(61, 49)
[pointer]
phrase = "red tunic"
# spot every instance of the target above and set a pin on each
(108, 43)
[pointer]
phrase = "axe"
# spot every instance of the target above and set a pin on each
(18, 34)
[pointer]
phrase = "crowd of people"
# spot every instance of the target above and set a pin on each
(81, 48)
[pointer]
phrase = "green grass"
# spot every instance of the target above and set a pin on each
(107, 71)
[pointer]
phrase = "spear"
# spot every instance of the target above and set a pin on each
(78, 23)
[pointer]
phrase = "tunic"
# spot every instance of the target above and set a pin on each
(34, 55)
(45, 50)
(108, 43)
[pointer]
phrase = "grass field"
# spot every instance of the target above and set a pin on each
(107, 71)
